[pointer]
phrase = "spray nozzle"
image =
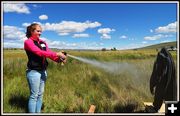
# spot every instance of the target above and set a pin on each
(64, 53)
(62, 59)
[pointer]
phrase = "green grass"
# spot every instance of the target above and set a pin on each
(72, 88)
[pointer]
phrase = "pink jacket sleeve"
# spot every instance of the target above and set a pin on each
(56, 58)
(30, 46)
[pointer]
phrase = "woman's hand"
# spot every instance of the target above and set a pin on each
(60, 54)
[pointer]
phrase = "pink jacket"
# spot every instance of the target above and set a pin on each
(31, 47)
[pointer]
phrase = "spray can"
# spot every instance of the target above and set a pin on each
(62, 59)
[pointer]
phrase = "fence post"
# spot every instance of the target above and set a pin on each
(92, 109)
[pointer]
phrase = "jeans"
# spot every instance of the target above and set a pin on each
(36, 81)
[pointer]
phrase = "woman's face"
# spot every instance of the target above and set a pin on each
(37, 32)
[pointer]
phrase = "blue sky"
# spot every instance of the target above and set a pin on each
(93, 25)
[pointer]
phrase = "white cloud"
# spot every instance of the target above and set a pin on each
(134, 45)
(13, 44)
(144, 42)
(16, 7)
(156, 37)
(92, 45)
(165, 41)
(63, 34)
(67, 27)
(17, 43)
(43, 17)
(93, 25)
(123, 37)
(105, 32)
(170, 28)
(132, 39)
(164, 32)
(105, 36)
(65, 45)
(12, 32)
(26, 24)
(13, 37)
(151, 30)
(36, 6)
(83, 35)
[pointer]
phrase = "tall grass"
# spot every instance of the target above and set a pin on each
(74, 87)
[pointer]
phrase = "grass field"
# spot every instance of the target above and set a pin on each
(72, 88)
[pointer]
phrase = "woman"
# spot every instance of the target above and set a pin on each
(37, 51)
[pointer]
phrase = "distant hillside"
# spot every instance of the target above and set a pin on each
(159, 46)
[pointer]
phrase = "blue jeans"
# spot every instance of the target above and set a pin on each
(36, 81)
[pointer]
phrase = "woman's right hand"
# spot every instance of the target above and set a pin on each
(60, 54)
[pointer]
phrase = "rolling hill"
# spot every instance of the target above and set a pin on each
(161, 45)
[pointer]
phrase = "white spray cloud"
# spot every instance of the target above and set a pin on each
(111, 67)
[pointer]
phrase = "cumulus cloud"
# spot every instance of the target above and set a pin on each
(123, 37)
(43, 17)
(144, 42)
(165, 41)
(36, 6)
(92, 45)
(67, 27)
(151, 30)
(16, 7)
(65, 45)
(105, 32)
(105, 36)
(82, 35)
(170, 28)
(13, 44)
(12, 32)
(26, 24)
(156, 37)
(63, 34)
(163, 32)
(14, 38)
